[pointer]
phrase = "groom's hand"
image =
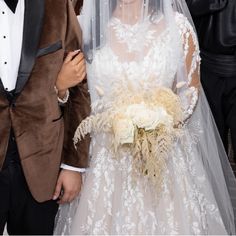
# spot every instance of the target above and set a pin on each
(68, 186)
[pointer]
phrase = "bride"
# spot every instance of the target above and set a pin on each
(157, 163)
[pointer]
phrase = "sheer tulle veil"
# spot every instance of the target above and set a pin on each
(199, 124)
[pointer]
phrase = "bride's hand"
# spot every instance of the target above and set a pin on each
(73, 72)
(68, 186)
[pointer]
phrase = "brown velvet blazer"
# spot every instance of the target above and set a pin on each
(43, 134)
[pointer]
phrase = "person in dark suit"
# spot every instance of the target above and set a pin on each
(215, 22)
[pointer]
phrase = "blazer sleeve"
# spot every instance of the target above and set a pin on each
(78, 105)
(205, 7)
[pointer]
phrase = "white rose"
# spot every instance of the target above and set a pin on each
(148, 118)
(163, 117)
(123, 130)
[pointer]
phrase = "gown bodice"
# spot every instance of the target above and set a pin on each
(152, 60)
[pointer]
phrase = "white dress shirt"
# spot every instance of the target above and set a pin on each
(10, 43)
(11, 36)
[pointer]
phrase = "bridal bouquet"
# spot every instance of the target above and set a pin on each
(143, 122)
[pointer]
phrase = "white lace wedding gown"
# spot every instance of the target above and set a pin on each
(111, 201)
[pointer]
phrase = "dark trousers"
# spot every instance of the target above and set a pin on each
(22, 214)
(221, 94)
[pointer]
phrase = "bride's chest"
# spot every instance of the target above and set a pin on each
(156, 67)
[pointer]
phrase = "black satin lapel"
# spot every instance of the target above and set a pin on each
(33, 22)
(2, 90)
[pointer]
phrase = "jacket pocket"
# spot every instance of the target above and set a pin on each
(50, 49)
(59, 118)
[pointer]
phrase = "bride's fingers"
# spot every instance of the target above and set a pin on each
(77, 59)
(81, 74)
(71, 55)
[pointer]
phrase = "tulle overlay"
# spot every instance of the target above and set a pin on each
(197, 188)
(114, 201)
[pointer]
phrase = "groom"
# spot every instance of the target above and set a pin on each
(35, 136)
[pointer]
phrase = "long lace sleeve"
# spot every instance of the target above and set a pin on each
(190, 91)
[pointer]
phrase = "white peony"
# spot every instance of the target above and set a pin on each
(148, 118)
(123, 130)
